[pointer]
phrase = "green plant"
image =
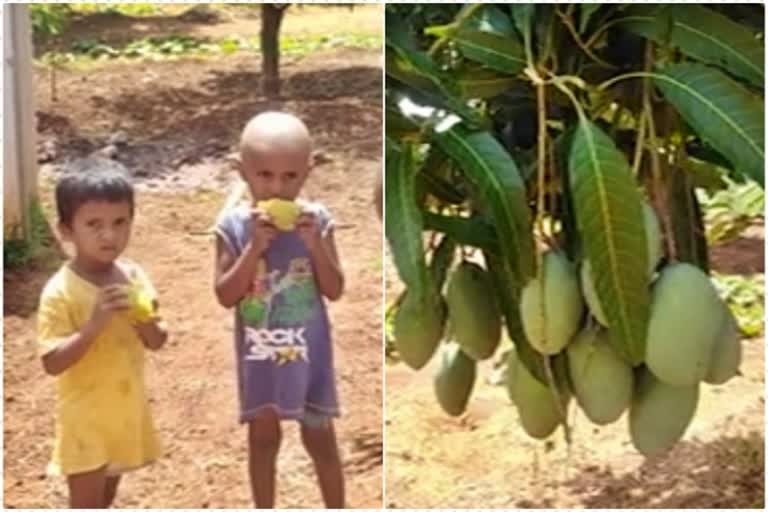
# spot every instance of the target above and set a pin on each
(175, 46)
(49, 19)
(745, 296)
(731, 210)
(131, 9)
(554, 127)
(19, 250)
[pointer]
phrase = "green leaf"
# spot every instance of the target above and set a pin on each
(703, 34)
(482, 84)
(745, 296)
(722, 112)
(435, 178)
(404, 224)
(730, 211)
(502, 193)
(587, 10)
(497, 52)
(442, 259)
(697, 149)
(687, 220)
(704, 174)
(472, 231)
(571, 241)
(417, 70)
(423, 78)
(523, 16)
(490, 18)
(609, 214)
(397, 124)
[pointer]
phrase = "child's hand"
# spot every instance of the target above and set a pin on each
(263, 231)
(111, 299)
(308, 229)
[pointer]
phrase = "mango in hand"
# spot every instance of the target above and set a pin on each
(284, 213)
(142, 304)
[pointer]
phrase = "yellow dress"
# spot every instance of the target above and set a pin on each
(102, 411)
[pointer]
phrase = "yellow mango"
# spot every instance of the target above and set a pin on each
(284, 213)
(142, 304)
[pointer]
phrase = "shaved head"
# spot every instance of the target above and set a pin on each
(275, 151)
(274, 132)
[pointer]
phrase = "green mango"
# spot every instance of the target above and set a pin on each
(602, 381)
(685, 322)
(474, 315)
(660, 413)
(551, 319)
(454, 380)
(418, 327)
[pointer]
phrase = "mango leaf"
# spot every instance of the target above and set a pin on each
(523, 16)
(417, 70)
(435, 178)
(404, 225)
(482, 84)
(687, 220)
(490, 18)
(704, 174)
(398, 31)
(508, 298)
(722, 112)
(609, 214)
(571, 241)
(494, 51)
(397, 124)
(472, 231)
(587, 10)
(398, 69)
(442, 259)
(502, 193)
(703, 34)
(427, 108)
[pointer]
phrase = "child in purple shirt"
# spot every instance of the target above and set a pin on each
(275, 280)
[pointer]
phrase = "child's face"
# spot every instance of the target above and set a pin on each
(100, 230)
(275, 174)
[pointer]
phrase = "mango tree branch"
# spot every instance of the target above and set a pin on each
(657, 189)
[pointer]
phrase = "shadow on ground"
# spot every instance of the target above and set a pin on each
(169, 125)
(726, 473)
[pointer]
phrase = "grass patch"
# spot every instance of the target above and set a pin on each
(38, 247)
(728, 212)
(745, 297)
(172, 47)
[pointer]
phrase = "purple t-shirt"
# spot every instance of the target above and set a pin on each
(282, 332)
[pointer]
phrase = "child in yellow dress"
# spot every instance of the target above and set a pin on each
(97, 315)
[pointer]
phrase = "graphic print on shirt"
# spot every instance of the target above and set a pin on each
(275, 310)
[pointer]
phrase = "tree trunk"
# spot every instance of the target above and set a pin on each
(271, 18)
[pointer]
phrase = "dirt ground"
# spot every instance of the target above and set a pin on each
(484, 459)
(174, 125)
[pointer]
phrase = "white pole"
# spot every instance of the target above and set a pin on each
(20, 155)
